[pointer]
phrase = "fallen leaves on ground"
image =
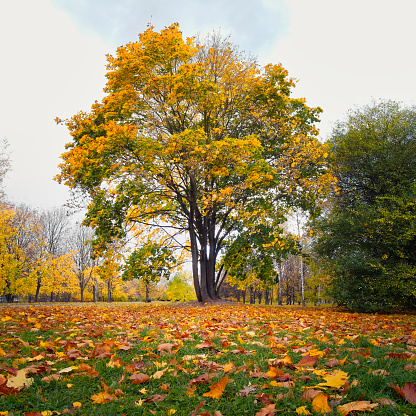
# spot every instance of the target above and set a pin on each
(271, 360)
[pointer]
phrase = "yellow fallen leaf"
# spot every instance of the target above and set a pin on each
(19, 381)
(302, 411)
(336, 379)
(320, 404)
(158, 374)
(76, 404)
(228, 367)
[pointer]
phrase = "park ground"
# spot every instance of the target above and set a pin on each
(233, 359)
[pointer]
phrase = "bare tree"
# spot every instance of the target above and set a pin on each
(84, 261)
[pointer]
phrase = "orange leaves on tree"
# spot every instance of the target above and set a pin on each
(217, 389)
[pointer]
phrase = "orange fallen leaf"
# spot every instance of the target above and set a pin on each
(269, 410)
(102, 397)
(166, 347)
(217, 389)
(139, 378)
(274, 372)
(356, 406)
(307, 361)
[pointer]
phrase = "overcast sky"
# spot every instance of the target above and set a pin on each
(343, 53)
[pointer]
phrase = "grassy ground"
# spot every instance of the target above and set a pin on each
(214, 360)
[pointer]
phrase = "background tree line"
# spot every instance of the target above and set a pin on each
(198, 153)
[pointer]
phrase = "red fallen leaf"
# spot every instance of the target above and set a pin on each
(8, 391)
(3, 380)
(307, 361)
(285, 377)
(10, 370)
(156, 398)
(398, 356)
(305, 378)
(32, 413)
(333, 362)
(139, 378)
(408, 392)
(265, 399)
(204, 378)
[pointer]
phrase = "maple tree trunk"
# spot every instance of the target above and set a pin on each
(38, 283)
(194, 254)
(108, 291)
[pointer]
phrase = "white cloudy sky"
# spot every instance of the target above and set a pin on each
(344, 53)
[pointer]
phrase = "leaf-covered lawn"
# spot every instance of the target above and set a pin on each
(214, 360)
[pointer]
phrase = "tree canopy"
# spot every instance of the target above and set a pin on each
(195, 138)
(369, 236)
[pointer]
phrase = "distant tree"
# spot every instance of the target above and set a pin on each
(84, 260)
(369, 236)
(180, 288)
(149, 263)
(195, 138)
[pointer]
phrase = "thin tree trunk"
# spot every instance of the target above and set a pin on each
(302, 282)
(319, 294)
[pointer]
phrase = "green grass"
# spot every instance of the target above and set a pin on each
(252, 338)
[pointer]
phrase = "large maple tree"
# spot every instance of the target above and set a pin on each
(196, 139)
